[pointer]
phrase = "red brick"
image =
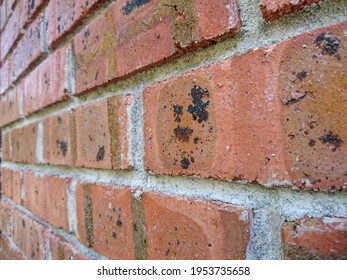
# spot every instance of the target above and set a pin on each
(8, 251)
(189, 229)
(23, 143)
(58, 139)
(315, 238)
(9, 107)
(104, 220)
(102, 133)
(12, 184)
(28, 235)
(5, 75)
(125, 39)
(5, 140)
(93, 135)
(6, 218)
(262, 121)
(275, 9)
(46, 197)
(62, 249)
(30, 48)
(62, 16)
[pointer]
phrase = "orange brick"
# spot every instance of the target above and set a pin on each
(275, 9)
(188, 229)
(133, 35)
(28, 235)
(263, 123)
(12, 184)
(315, 238)
(59, 145)
(6, 223)
(9, 107)
(104, 220)
(23, 143)
(5, 145)
(46, 197)
(62, 249)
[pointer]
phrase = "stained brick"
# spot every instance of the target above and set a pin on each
(130, 36)
(12, 184)
(8, 251)
(23, 143)
(5, 145)
(104, 220)
(6, 218)
(187, 229)
(28, 235)
(58, 141)
(46, 197)
(263, 123)
(9, 107)
(275, 9)
(315, 238)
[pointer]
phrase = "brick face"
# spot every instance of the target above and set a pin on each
(187, 229)
(9, 107)
(315, 238)
(104, 220)
(12, 184)
(263, 123)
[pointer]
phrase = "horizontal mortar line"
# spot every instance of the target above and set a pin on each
(187, 62)
(89, 252)
(247, 195)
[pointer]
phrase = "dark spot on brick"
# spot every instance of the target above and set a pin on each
(62, 146)
(183, 133)
(59, 18)
(114, 234)
(295, 97)
(60, 120)
(96, 75)
(58, 28)
(185, 163)
(87, 3)
(178, 109)
(167, 251)
(328, 43)
(119, 223)
(198, 109)
(209, 245)
(132, 4)
(86, 33)
(192, 159)
(101, 154)
(312, 143)
(32, 5)
(301, 75)
(23, 223)
(331, 139)
(196, 140)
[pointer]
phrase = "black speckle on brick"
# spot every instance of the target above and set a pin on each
(331, 139)
(60, 120)
(32, 5)
(312, 143)
(185, 163)
(132, 4)
(119, 223)
(196, 140)
(301, 75)
(114, 234)
(328, 43)
(62, 146)
(183, 133)
(198, 109)
(101, 154)
(86, 33)
(178, 109)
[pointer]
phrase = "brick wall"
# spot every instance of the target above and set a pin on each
(170, 129)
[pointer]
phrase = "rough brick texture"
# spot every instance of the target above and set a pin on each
(205, 123)
(275, 9)
(173, 129)
(315, 238)
(186, 229)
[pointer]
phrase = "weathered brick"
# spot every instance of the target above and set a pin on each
(6, 218)
(46, 197)
(132, 35)
(30, 48)
(5, 75)
(104, 220)
(12, 184)
(9, 107)
(23, 143)
(275, 9)
(62, 16)
(263, 123)
(5, 145)
(8, 251)
(189, 229)
(58, 139)
(102, 133)
(28, 235)
(315, 238)
(61, 249)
